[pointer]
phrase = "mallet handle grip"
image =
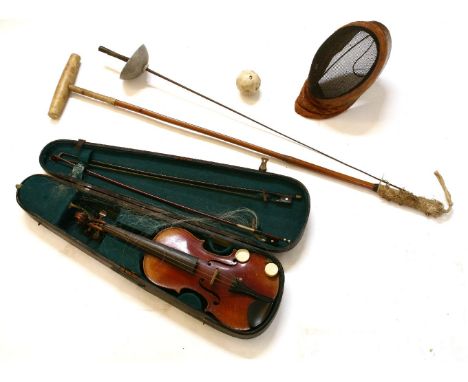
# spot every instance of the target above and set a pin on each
(93, 95)
(62, 91)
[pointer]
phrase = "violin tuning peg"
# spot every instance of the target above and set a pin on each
(271, 269)
(242, 255)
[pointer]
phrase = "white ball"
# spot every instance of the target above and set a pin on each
(248, 82)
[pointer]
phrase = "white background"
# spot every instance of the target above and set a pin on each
(373, 291)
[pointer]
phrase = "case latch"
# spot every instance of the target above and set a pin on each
(263, 165)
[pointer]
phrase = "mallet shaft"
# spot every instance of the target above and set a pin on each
(238, 142)
(66, 85)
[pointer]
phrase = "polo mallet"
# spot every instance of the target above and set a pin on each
(66, 85)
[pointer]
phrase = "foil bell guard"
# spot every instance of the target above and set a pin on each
(119, 227)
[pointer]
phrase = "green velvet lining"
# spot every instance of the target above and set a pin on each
(191, 299)
(121, 253)
(43, 196)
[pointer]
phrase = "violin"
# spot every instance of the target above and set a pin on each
(239, 289)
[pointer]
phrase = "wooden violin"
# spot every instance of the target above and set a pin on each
(239, 290)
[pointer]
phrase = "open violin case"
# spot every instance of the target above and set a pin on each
(216, 226)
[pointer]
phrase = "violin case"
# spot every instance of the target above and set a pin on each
(54, 198)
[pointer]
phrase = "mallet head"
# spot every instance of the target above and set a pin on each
(62, 91)
(136, 64)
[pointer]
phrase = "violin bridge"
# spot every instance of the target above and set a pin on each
(215, 275)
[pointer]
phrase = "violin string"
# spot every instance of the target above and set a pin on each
(214, 274)
(102, 226)
(223, 280)
(181, 265)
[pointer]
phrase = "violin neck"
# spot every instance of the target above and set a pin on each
(180, 259)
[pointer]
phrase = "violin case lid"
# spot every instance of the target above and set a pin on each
(279, 208)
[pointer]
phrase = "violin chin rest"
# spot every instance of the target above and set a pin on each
(258, 312)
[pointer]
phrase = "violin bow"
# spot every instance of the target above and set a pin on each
(265, 195)
(267, 237)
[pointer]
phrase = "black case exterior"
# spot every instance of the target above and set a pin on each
(47, 198)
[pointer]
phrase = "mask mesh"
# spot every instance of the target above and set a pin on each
(344, 60)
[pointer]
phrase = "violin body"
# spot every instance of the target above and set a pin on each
(238, 294)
